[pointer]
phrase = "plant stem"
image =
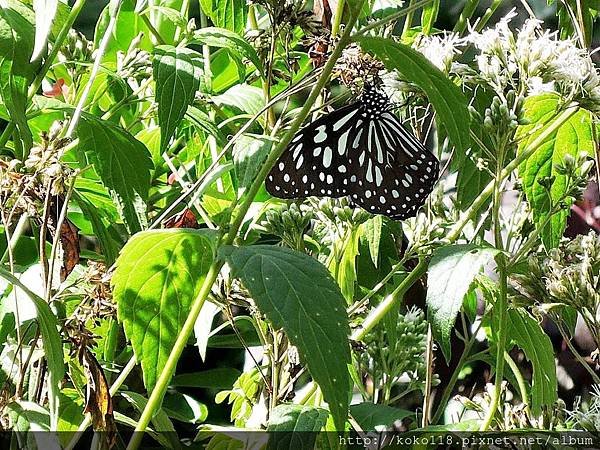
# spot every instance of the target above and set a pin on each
(520, 381)
(386, 304)
(501, 309)
(96, 67)
(450, 386)
(337, 19)
(152, 29)
(408, 20)
(165, 377)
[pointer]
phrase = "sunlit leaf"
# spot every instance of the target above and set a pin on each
(574, 136)
(297, 294)
(452, 269)
(158, 275)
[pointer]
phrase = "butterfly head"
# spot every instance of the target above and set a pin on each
(373, 103)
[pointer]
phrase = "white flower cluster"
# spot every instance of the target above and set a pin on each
(530, 61)
(533, 60)
(440, 49)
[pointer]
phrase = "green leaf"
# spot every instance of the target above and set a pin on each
(249, 153)
(447, 99)
(219, 37)
(297, 293)
(203, 122)
(374, 417)
(158, 275)
(184, 408)
(527, 333)
(429, 16)
(344, 269)
(229, 14)
(452, 269)
(203, 326)
(123, 164)
(303, 420)
(372, 231)
(71, 414)
(16, 71)
(575, 136)
(110, 250)
(51, 342)
(177, 72)
(246, 98)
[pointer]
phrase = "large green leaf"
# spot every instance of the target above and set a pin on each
(373, 417)
(447, 99)
(527, 333)
(51, 342)
(297, 294)
(177, 72)
(123, 164)
(575, 136)
(304, 421)
(452, 269)
(229, 14)
(16, 71)
(219, 37)
(158, 275)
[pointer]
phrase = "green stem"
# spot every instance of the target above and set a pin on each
(409, 19)
(337, 19)
(465, 15)
(153, 30)
(501, 304)
(520, 380)
(96, 67)
(165, 377)
(450, 386)
(386, 304)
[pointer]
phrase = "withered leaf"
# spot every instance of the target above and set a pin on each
(185, 219)
(98, 401)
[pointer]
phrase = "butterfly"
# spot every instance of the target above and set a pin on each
(361, 151)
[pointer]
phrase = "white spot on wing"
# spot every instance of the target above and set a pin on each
(327, 154)
(321, 134)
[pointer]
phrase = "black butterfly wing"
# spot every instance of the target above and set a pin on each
(316, 161)
(395, 173)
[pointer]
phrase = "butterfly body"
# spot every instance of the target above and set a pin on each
(361, 151)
